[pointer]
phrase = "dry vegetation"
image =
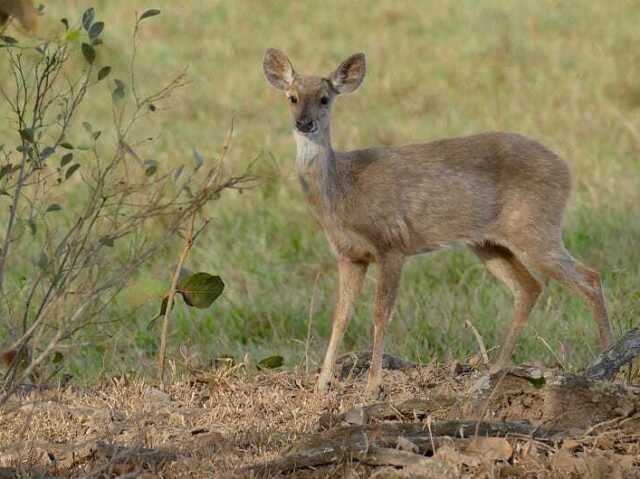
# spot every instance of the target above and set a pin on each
(219, 422)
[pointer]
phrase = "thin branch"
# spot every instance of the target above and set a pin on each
(170, 299)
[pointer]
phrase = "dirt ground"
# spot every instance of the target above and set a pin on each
(215, 423)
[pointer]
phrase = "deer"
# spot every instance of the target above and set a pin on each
(501, 194)
(23, 10)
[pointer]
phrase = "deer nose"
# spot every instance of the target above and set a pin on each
(305, 126)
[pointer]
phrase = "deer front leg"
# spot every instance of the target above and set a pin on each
(350, 279)
(386, 289)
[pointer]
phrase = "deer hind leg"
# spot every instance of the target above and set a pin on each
(386, 289)
(504, 265)
(559, 265)
(351, 277)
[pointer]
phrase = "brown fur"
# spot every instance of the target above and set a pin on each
(22, 10)
(502, 194)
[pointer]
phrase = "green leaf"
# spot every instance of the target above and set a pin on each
(178, 172)
(72, 169)
(96, 135)
(8, 40)
(89, 53)
(65, 22)
(32, 226)
(271, 362)
(87, 18)
(184, 273)
(72, 36)
(96, 30)
(67, 146)
(46, 153)
(5, 170)
(66, 159)
(27, 135)
(107, 241)
(87, 126)
(200, 290)
(199, 159)
(117, 95)
(43, 261)
(58, 357)
(118, 92)
(163, 306)
(537, 383)
(53, 207)
(149, 13)
(104, 73)
(150, 167)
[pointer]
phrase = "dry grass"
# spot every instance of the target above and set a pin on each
(211, 423)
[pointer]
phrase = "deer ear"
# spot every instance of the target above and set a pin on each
(349, 75)
(278, 69)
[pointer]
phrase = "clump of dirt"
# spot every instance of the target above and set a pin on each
(222, 422)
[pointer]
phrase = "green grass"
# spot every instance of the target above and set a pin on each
(561, 72)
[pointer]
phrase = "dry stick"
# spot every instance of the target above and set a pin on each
(170, 299)
(355, 442)
(433, 444)
(483, 350)
(623, 351)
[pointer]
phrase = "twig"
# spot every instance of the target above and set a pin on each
(433, 444)
(483, 350)
(170, 299)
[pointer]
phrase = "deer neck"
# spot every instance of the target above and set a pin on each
(316, 165)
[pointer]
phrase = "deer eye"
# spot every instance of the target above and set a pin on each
(293, 99)
(324, 100)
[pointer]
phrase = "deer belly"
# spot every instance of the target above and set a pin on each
(350, 244)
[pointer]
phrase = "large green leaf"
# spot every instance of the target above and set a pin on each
(200, 290)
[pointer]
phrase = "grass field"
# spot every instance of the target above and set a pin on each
(564, 73)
